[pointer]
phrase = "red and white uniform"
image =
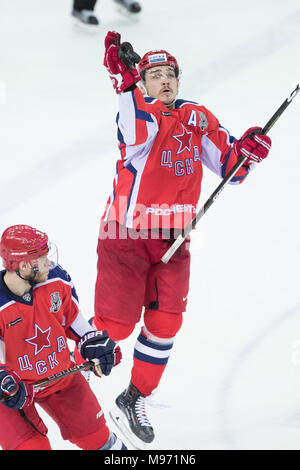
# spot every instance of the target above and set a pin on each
(157, 186)
(158, 178)
(34, 329)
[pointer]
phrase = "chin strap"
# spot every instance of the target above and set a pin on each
(30, 280)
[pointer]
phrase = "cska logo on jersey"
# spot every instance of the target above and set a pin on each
(55, 302)
(184, 140)
(40, 340)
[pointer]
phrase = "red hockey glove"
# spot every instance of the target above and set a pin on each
(98, 345)
(253, 145)
(19, 394)
(120, 59)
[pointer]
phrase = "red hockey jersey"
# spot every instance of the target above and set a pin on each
(158, 178)
(34, 329)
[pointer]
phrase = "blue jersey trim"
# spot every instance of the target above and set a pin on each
(59, 272)
(139, 114)
(120, 135)
(179, 103)
(234, 179)
(7, 296)
(132, 170)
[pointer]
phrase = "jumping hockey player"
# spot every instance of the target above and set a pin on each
(39, 311)
(163, 142)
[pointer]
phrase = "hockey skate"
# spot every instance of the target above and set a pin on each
(132, 6)
(86, 19)
(130, 417)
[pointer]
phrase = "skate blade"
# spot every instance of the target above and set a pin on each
(122, 11)
(87, 28)
(122, 424)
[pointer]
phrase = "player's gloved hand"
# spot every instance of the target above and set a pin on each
(98, 345)
(120, 59)
(254, 145)
(19, 394)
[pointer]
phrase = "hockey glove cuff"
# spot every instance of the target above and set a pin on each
(19, 394)
(254, 145)
(98, 345)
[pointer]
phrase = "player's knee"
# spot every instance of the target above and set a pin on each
(116, 330)
(162, 324)
(37, 442)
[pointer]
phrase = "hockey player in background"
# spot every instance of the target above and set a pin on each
(163, 143)
(39, 311)
(83, 10)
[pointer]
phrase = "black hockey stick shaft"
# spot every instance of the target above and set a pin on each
(64, 373)
(59, 375)
(180, 239)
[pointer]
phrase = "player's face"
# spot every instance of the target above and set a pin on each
(46, 263)
(161, 83)
(43, 265)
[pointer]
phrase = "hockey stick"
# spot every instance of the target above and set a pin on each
(180, 239)
(59, 375)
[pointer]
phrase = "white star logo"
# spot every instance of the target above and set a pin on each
(40, 340)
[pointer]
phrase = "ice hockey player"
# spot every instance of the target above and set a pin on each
(39, 312)
(83, 11)
(163, 142)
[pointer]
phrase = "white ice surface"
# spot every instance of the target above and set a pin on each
(233, 380)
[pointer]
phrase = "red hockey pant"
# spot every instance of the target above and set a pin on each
(131, 277)
(76, 411)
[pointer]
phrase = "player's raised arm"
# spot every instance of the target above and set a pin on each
(116, 66)
(136, 119)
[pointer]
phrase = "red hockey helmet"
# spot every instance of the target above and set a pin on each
(159, 57)
(22, 243)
